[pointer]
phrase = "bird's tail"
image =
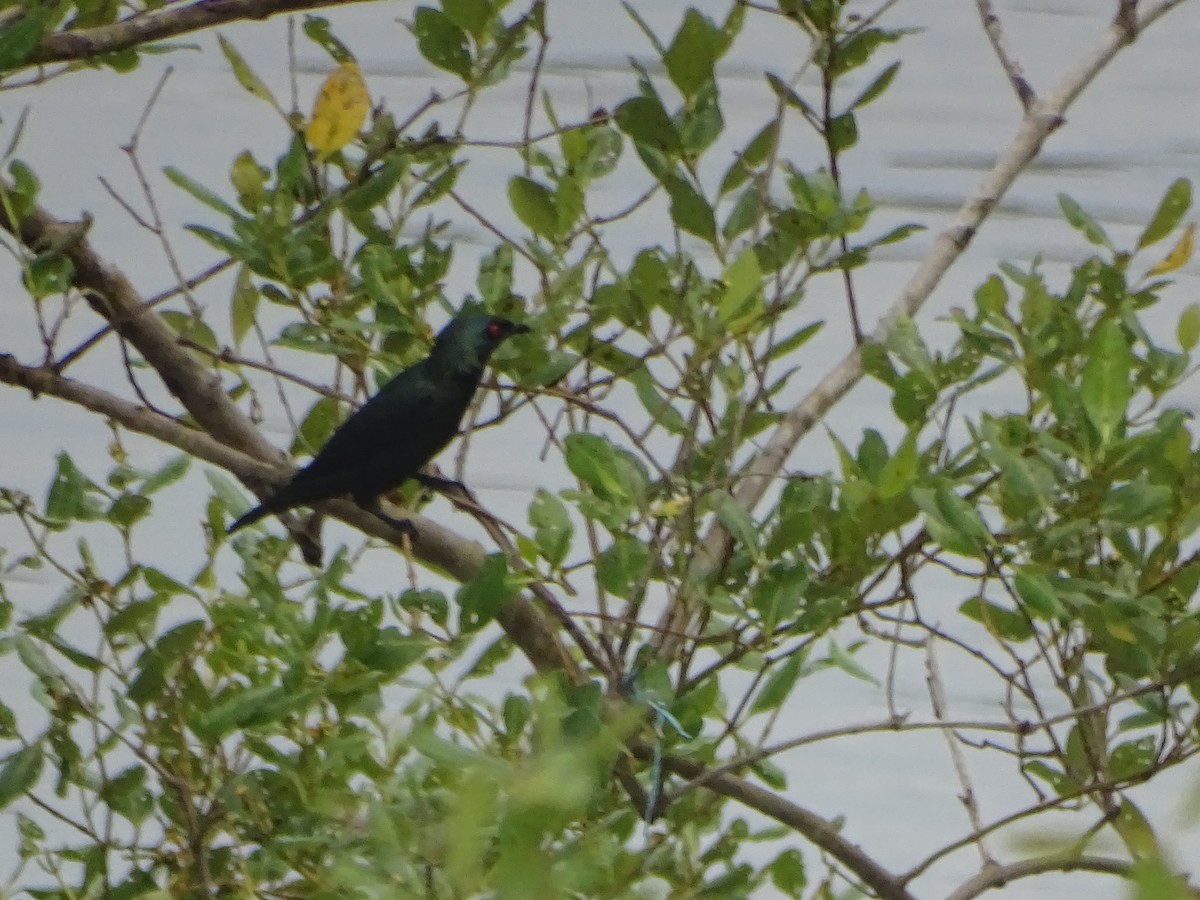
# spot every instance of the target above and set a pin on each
(297, 492)
(263, 509)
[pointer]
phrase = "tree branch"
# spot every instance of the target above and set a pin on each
(110, 293)
(821, 832)
(1008, 60)
(524, 623)
(997, 876)
(161, 24)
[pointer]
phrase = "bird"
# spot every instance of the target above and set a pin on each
(412, 418)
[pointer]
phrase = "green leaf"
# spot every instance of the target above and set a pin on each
(604, 145)
(788, 874)
(1082, 222)
(881, 83)
(756, 153)
(904, 341)
(164, 585)
(128, 509)
(168, 474)
(1037, 594)
(316, 28)
(324, 416)
(857, 49)
(779, 684)
(255, 704)
(611, 473)
(49, 274)
(441, 41)
(1188, 329)
(647, 124)
(201, 193)
(842, 133)
(249, 179)
(741, 304)
(1004, 622)
(243, 306)
(795, 341)
(127, 794)
(243, 73)
(391, 652)
(951, 521)
(136, 618)
(845, 661)
(164, 657)
(548, 516)
(191, 328)
(21, 35)
(439, 186)
(1151, 877)
(1173, 206)
(693, 53)
(534, 205)
(227, 492)
(962, 516)
(734, 517)
(1132, 758)
(20, 773)
(690, 211)
(516, 714)
(483, 596)
(69, 494)
(8, 723)
(791, 98)
(223, 242)
(621, 566)
(470, 15)
(1138, 503)
(656, 404)
(900, 471)
(747, 211)
(1105, 387)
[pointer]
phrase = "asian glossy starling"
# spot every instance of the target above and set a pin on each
(395, 433)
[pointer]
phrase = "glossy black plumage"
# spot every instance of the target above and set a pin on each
(395, 433)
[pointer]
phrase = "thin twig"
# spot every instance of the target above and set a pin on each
(1008, 59)
(937, 698)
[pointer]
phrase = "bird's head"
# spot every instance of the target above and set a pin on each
(470, 339)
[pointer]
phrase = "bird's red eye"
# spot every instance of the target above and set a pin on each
(495, 330)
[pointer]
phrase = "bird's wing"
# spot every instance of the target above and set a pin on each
(396, 412)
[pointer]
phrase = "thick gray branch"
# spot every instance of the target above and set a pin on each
(162, 24)
(197, 386)
(436, 546)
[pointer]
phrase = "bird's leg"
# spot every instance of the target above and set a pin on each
(440, 484)
(307, 536)
(373, 506)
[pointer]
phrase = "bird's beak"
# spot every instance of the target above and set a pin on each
(519, 328)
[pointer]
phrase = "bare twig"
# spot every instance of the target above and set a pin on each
(1008, 59)
(937, 698)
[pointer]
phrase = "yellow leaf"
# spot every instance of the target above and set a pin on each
(1179, 255)
(670, 508)
(339, 112)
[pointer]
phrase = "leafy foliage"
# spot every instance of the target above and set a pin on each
(285, 731)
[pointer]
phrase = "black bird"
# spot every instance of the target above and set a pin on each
(395, 433)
